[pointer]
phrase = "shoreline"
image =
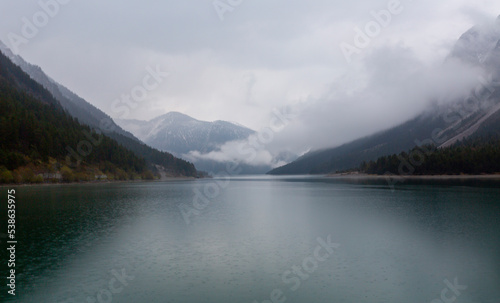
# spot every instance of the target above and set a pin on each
(415, 177)
(166, 179)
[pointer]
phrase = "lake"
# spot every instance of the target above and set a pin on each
(258, 239)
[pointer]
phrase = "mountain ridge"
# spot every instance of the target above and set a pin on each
(35, 133)
(71, 102)
(180, 134)
(460, 119)
(99, 121)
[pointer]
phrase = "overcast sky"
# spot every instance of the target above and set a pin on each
(237, 60)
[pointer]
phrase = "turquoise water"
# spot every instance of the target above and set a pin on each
(300, 239)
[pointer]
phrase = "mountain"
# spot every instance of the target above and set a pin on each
(77, 107)
(35, 133)
(472, 116)
(477, 45)
(471, 156)
(89, 115)
(180, 134)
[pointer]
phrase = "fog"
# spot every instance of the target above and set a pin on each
(388, 87)
(345, 69)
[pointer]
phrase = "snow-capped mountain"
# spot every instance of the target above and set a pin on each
(180, 134)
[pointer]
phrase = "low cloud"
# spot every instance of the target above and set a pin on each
(236, 152)
(389, 86)
(263, 55)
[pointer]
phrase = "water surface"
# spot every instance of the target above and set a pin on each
(250, 234)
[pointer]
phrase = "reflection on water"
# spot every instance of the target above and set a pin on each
(129, 242)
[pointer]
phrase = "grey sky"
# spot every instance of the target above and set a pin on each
(262, 55)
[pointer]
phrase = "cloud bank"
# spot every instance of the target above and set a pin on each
(260, 56)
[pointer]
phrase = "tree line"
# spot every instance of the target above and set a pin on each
(35, 133)
(472, 156)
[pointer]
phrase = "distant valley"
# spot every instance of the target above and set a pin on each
(181, 135)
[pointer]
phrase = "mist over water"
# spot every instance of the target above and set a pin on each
(130, 242)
